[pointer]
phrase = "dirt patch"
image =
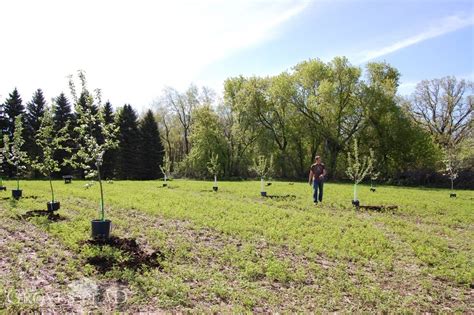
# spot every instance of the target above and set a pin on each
(378, 208)
(51, 216)
(135, 257)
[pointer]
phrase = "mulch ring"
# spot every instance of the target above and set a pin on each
(282, 198)
(379, 208)
(51, 216)
(133, 256)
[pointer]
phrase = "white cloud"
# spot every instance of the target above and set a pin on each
(130, 49)
(444, 26)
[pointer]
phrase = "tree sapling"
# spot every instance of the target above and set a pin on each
(166, 169)
(452, 164)
(14, 154)
(357, 170)
(214, 167)
(3, 154)
(262, 166)
(90, 128)
(50, 141)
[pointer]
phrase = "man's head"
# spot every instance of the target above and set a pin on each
(317, 159)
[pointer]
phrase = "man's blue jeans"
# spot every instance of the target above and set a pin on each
(318, 188)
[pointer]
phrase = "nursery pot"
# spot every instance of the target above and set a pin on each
(53, 206)
(3, 188)
(215, 188)
(452, 195)
(372, 189)
(16, 193)
(165, 184)
(101, 229)
(67, 179)
(356, 203)
(263, 193)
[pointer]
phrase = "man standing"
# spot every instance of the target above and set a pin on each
(317, 173)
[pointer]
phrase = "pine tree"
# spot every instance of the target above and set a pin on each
(109, 155)
(151, 148)
(34, 114)
(62, 116)
(13, 108)
(127, 151)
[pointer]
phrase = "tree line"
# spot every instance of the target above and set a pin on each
(316, 108)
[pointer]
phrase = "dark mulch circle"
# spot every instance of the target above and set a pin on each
(282, 198)
(135, 257)
(379, 208)
(51, 216)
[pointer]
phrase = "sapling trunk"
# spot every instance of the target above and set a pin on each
(102, 214)
(215, 180)
(262, 185)
(52, 190)
(452, 184)
(355, 192)
(165, 178)
(17, 179)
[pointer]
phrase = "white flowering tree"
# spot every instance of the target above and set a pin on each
(13, 152)
(3, 154)
(263, 167)
(166, 168)
(50, 141)
(90, 126)
(452, 164)
(358, 168)
(214, 167)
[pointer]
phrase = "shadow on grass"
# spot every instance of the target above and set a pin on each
(131, 255)
(51, 216)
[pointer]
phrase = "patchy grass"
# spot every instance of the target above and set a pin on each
(236, 251)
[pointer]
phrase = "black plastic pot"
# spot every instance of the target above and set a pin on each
(263, 193)
(17, 193)
(164, 184)
(3, 188)
(215, 188)
(53, 206)
(452, 195)
(101, 229)
(372, 189)
(67, 179)
(356, 203)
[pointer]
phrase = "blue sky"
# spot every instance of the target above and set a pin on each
(133, 49)
(352, 28)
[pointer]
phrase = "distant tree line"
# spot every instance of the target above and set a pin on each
(316, 108)
(140, 152)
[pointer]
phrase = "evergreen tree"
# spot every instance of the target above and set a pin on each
(127, 151)
(151, 148)
(109, 155)
(13, 108)
(34, 114)
(62, 116)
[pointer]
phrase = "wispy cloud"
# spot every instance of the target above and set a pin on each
(129, 49)
(444, 26)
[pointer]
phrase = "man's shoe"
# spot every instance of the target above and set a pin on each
(315, 203)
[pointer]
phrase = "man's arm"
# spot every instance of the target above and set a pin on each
(324, 171)
(310, 179)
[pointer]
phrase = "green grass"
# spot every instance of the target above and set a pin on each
(235, 251)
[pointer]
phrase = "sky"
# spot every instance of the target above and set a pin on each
(132, 50)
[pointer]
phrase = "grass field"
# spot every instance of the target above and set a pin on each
(236, 251)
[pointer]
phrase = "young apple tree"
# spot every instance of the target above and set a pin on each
(14, 154)
(452, 164)
(166, 168)
(263, 167)
(90, 127)
(50, 141)
(357, 168)
(213, 167)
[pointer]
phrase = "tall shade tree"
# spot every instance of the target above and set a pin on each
(445, 107)
(128, 155)
(151, 149)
